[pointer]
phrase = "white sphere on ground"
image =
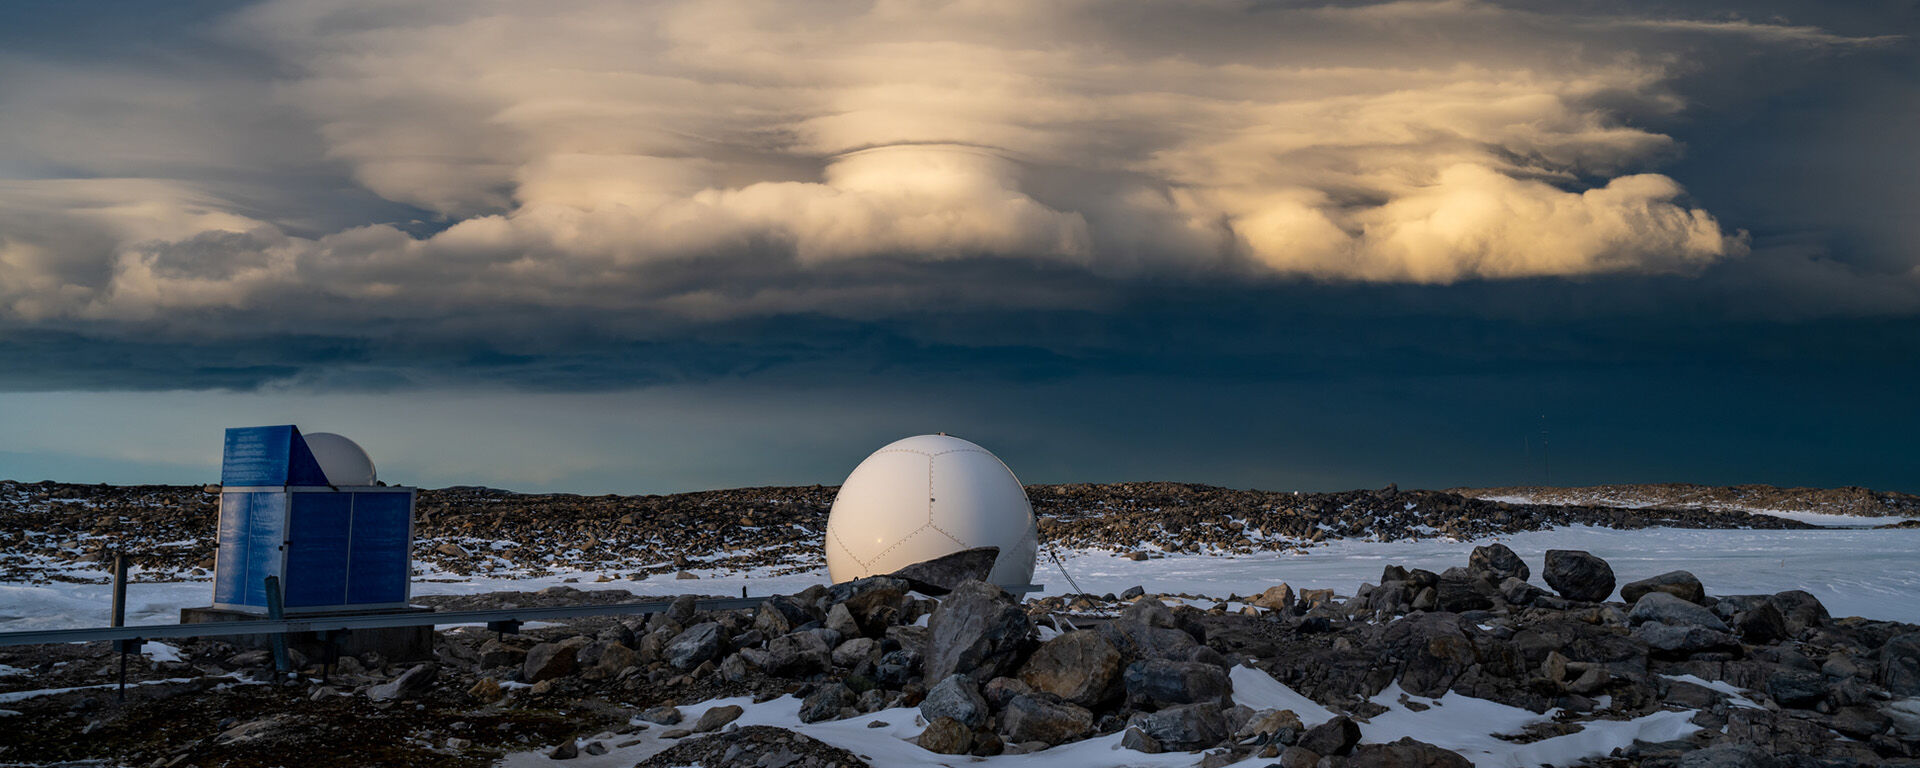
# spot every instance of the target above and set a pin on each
(340, 459)
(926, 497)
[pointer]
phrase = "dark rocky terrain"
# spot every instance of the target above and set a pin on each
(1771, 680)
(1851, 500)
(64, 531)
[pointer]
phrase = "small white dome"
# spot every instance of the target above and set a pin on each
(340, 459)
(928, 496)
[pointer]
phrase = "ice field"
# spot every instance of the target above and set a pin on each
(1855, 572)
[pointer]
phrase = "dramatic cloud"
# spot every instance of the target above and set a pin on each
(737, 158)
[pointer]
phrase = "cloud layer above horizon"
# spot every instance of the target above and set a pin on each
(703, 161)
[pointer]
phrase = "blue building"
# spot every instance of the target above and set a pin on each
(335, 547)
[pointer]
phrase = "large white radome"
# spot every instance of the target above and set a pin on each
(340, 459)
(928, 496)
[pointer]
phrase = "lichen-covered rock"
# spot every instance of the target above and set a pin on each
(688, 649)
(1496, 563)
(946, 736)
(1185, 727)
(1165, 682)
(548, 661)
(1031, 718)
(1667, 609)
(1578, 575)
(1680, 584)
(979, 630)
(1080, 666)
(955, 697)
(1405, 753)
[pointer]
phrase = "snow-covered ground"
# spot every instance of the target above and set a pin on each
(1872, 573)
(1456, 722)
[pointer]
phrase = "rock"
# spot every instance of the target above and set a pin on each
(1176, 682)
(594, 748)
(698, 643)
(566, 751)
(1519, 592)
(1461, 592)
(852, 652)
(1080, 666)
(1333, 737)
(826, 702)
(1680, 584)
(1001, 690)
(1031, 718)
(1796, 689)
(662, 715)
(1683, 641)
(1405, 753)
(1861, 722)
(1729, 756)
(956, 698)
(1133, 592)
(943, 574)
(1900, 664)
(613, 658)
(1761, 625)
(1271, 724)
(1297, 757)
(1138, 741)
(1578, 575)
(409, 684)
(494, 653)
(799, 653)
(1275, 598)
(712, 719)
(487, 690)
(1184, 727)
(1146, 630)
(946, 736)
(840, 620)
(1496, 563)
(978, 629)
(1801, 610)
(547, 661)
(1667, 609)
(987, 744)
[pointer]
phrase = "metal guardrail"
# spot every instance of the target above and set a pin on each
(369, 621)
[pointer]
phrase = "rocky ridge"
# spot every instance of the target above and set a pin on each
(1850, 500)
(66, 532)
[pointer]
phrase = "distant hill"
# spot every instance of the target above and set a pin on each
(1860, 502)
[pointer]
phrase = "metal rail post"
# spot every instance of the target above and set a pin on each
(276, 612)
(120, 562)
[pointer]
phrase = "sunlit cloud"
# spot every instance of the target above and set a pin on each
(597, 154)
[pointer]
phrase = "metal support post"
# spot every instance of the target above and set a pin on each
(276, 612)
(120, 589)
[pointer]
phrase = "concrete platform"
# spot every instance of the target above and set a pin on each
(393, 643)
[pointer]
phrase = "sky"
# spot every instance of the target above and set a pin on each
(645, 248)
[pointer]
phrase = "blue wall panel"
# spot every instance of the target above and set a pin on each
(266, 530)
(317, 549)
(231, 566)
(379, 564)
(256, 456)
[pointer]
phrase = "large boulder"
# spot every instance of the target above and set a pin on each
(1278, 597)
(1164, 682)
(547, 661)
(1579, 575)
(1801, 610)
(1080, 666)
(979, 630)
(1031, 718)
(1185, 727)
(946, 736)
(1405, 753)
(1146, 629)
(1900, 664)
(1333, 737)
(826, 702)
(958, 698)
(800, 653)
(942, 574)
(779, 615)
(1672, 640)
(1496, 563)
(1665, 608)
(1459, 591)
(1680, 584)
(696, 644)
